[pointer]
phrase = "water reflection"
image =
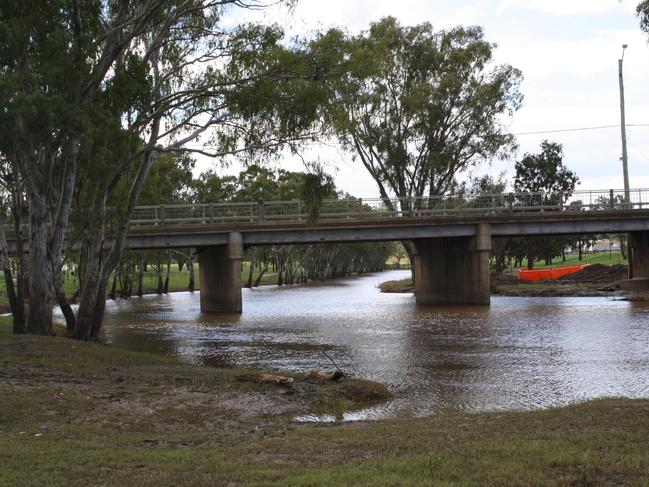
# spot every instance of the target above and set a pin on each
(519, 353)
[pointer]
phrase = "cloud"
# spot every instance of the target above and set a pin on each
(567, 50)
(569, 7)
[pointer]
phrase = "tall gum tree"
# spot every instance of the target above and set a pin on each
(94, 91)
(228, 87)
(417, 106)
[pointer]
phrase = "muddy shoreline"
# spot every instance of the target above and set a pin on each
(594, 281)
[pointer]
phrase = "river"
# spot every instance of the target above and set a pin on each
(520, 353)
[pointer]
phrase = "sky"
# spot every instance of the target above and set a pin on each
(568, 51)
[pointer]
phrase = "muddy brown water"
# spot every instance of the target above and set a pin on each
(520, 353)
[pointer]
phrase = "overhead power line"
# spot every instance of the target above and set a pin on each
(638, 150)
(540, 132)
(580, 129)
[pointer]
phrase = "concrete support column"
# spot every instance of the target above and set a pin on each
(638, 286)
(454, 270)
(220, 270)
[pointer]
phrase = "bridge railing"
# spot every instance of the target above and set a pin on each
(385, 208)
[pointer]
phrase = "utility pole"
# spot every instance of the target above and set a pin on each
(625, 157)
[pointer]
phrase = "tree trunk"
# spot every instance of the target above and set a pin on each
(22, 281)
(165, 288)
(530, 254)
(64, 304)
(192, 278)
(91, 274)
(18, 327)
(499, 253)
(100, 307)
(140, 277)
(113, 287)
(158, 273)
(261, 275)
(251, 270)
(410, 250)
(99, 276)
(280, 275)
(580, 250)
(39, 321)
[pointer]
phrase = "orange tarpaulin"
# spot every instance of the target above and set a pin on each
(547, 274)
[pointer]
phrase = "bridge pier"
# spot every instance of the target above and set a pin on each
(220, 271)
(453, 270)
(638, 285)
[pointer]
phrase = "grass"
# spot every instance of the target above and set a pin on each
(604, 258)
(178, 281)
(86, 414)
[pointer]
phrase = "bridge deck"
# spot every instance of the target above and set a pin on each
(331, 231)
(349, 220)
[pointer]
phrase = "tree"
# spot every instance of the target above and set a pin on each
(212, 188)
(95, 92)
(416, 106)
(643, 13)
(544, 173)
(256, 183)
(316, 186)
(170, 180)
(12, 202)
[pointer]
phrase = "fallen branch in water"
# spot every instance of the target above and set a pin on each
(332, 361)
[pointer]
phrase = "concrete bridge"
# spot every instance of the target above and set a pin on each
(451, 234)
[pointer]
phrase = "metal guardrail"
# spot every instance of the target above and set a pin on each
(389, 208)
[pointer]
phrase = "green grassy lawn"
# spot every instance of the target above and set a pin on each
(77, 414)
(604, 258)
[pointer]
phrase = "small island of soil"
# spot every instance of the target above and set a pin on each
(594, 280)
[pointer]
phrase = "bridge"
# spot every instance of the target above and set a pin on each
(451, 234)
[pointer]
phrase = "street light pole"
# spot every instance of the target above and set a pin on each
(625, 157)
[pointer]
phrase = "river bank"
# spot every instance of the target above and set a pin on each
(82, 413)
(594, 281)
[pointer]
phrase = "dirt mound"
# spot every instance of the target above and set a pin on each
(598, 273)
(503, 279)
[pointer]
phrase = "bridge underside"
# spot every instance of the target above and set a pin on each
(452, 254)
(638, 284)
(449, 270)
(453, 270)
(220, 271)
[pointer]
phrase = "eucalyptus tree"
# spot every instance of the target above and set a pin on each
(417, 106)
(94, 91)
(210, 187)
(545, 173)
